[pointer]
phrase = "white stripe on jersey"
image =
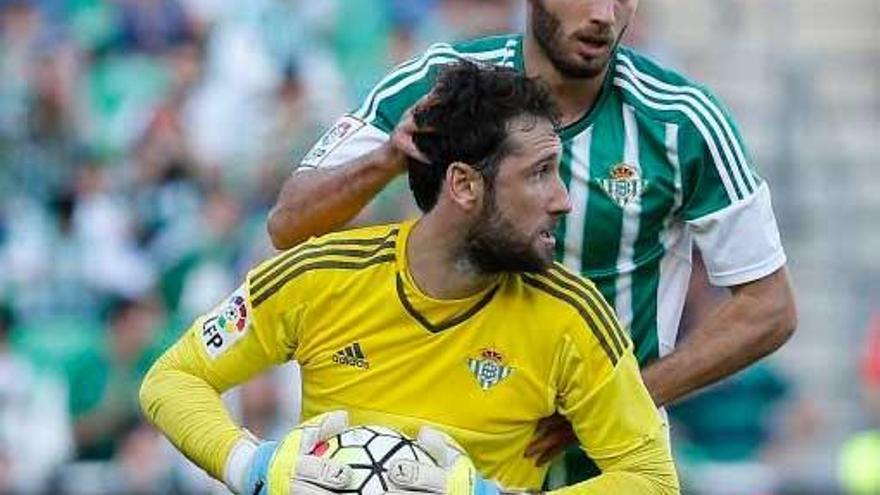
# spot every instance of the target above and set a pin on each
(730, 145)
(629, 230)
(672, 285)
(675, 267)
(578, 191)
(712, 106)
(713, 149)
(435, 58)
(671, 140)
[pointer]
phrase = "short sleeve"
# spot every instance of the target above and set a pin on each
(727, 206)
(242, 336)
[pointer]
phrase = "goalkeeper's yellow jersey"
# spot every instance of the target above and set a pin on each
(484, 369)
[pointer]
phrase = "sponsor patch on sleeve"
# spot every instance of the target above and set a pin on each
(226, 324)
(344, 128)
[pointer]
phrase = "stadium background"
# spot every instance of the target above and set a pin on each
(143, 141)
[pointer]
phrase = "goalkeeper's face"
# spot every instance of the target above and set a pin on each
(514, 230)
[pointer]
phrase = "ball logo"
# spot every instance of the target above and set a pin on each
(226, 324)
(234, 316)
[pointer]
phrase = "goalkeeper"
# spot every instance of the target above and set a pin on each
(458, 320)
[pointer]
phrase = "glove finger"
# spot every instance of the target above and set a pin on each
(416, 476)
(322, 472)
(321, 428)
(333, 423)
(441, 446)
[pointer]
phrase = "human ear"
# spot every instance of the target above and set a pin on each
(464, 185)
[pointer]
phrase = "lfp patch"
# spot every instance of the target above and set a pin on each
(342, 130)
(226, 324)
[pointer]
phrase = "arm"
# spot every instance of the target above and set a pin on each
(756, 321)
(181, 393)
(357, 157)
(314, 201)
(346, 169)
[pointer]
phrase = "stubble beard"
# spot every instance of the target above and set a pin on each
(491, 247)
(547, 30)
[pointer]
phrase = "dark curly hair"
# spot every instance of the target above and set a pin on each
(466, 118)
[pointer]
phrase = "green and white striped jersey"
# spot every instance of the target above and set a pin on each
(656, 166)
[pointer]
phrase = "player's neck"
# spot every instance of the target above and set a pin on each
(435, 261)
(574, 96)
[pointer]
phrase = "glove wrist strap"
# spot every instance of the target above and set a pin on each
(238, 462)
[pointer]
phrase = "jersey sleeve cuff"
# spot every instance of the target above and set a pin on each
(749, 274)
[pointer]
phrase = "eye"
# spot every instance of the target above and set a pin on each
(542, 170)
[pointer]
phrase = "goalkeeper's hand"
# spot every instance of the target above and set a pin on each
(456, 474)
(286, 467)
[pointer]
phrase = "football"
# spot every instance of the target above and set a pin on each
(368, 451)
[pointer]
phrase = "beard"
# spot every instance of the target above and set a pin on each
(547, 30)
(494, 245)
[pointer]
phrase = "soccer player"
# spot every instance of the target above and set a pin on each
(653, 163)
(459, 320)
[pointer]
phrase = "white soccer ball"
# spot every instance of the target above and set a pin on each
(368, 451)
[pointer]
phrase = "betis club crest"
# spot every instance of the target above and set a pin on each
(489, 368)
(624, 183)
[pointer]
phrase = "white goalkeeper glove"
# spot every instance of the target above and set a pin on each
(287, 467)
(456, 474)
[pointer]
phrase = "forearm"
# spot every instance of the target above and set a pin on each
(188, 410)
(314, 202)
(756, 321)
(647, 471)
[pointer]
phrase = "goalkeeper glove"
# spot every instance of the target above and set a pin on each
(456, 474)
(287, 467)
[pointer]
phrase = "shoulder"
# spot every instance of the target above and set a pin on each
(410, 80)
(357, 236)
(563, 290)
(497, 49)
(591, 320)
(663, 93)
(346, 252)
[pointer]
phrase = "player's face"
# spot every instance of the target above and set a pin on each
(579, 36)
(515, 231)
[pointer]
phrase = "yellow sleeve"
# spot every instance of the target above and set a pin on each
(615, 420)
(223, 348)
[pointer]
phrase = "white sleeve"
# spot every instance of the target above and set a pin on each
(349, 138)
(740, 243)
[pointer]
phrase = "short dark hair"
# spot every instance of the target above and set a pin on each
(466, 120)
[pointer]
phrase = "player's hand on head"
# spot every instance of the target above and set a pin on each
(453, 474)
(402, 137)
(552, 436)
(288, 467)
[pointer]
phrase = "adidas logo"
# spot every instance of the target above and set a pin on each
(352, 355)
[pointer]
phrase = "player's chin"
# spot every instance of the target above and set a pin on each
(543, 252)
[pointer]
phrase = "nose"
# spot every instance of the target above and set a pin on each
(560, 201)
(601, 12)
